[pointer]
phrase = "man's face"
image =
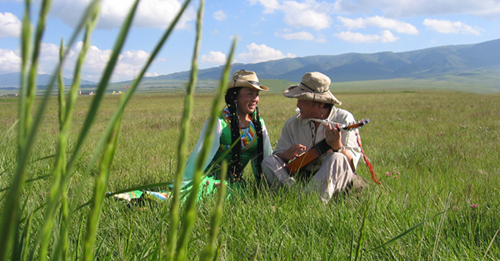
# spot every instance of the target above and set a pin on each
(309, 109)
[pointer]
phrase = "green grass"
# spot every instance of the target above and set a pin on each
(436, 154)
(442, 146)
(59, 208)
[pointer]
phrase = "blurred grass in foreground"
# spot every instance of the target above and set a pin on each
(38, 226)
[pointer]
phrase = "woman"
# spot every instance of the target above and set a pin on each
(239, 120)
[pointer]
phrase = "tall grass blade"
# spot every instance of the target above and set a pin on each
(214, 227)
(22, 251)
(98, 250)
(256, 253)
(127, 97)
(440, 228)
(10, 130)
(181, 159)
(79, 239)
(98, 195)
(133, 87)
(209, 251)
(10, 219)
(61, 249)
(361, 232)
(491, 244)
(351, 245)
(60, 83)
(423, 232)
(62, 246)
(102, 86)
(129, 238)
(57, 186)
(26, 50)
(27, 127)
(30, 180)
(407, 231)
(96, 101)
(190, 213)
(26, 238)
(47, 225)
(43, 104)
(109, 150)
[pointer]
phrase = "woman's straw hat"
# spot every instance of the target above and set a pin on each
(244, 78)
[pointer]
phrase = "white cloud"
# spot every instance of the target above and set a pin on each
(307, 14)
(129, 64)
(306, 36)
(135, 57)
(10, 26)
(409, 8)
(154, 74)
(9, 61)
(150, 13)
(299, 15)
(214, 57)
(261, 53)
(449, 27)
(269, 5)
(385, 37)
(380, 22)
(220, 15)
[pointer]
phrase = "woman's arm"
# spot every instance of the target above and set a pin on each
(191, 161)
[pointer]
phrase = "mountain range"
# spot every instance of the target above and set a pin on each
(430, 62)
(477, 59)
(13, 79)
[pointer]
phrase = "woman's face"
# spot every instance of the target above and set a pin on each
(248, 98)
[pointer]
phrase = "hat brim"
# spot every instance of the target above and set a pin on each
(248, 85)
(300, 92)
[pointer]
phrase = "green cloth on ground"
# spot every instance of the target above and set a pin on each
(208, 187)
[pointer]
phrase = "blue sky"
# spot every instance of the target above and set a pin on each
(265, 29)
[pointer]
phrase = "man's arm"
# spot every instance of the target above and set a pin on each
(286, 149)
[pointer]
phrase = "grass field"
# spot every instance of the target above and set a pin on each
(436, 154)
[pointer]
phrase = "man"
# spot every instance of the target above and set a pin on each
(331, 172)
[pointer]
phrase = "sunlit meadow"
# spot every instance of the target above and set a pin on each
(436, 154)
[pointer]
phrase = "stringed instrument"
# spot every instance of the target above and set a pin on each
(317, 150)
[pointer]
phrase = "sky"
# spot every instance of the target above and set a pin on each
(265, 30)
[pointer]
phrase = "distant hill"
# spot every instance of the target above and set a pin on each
(474, 64)
(12, 80)
(425, 63)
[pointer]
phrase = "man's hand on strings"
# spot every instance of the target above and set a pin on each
(333, 136)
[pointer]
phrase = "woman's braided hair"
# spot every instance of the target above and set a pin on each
(236, 168)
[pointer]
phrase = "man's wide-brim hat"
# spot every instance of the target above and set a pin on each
(314, 86)
(248, 79)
